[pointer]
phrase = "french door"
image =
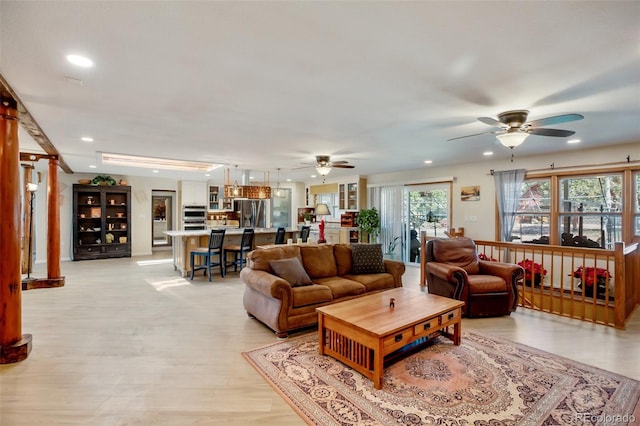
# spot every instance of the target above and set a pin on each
(427, 207)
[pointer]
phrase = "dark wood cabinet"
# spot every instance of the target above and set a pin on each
(101, 222)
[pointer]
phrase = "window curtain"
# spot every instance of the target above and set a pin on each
(508, 189)
(388, 201)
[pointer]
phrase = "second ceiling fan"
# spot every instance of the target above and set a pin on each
(512, 127)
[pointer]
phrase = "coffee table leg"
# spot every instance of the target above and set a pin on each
(378, 366)
(321, 339)
(456, 333)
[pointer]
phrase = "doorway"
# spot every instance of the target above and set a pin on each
(427, 208)
(163, 215)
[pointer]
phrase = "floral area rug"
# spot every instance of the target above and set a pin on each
(484, 381)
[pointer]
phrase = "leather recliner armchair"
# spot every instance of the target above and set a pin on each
(488, 288)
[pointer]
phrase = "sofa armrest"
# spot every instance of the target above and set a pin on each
(446, 280)
(509, 272)
(268, 284)
(396, 269)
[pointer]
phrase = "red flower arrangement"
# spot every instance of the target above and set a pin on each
(590, 275)
(483, 256)
(532, 271)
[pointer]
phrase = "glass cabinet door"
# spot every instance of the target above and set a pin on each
(281, 209)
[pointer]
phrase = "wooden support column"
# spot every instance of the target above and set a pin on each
(14, 346)
(27, 262)
(53, 223)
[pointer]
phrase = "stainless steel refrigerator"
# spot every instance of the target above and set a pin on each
(252, 213)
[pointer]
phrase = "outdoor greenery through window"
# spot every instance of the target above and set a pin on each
(427, 209)
(532, 218)
(591, 210)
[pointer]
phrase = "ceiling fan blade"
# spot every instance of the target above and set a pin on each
(475, 134)
(490, 121)
(550, 132)
(556, 119)
(342, 166)
(339, 162)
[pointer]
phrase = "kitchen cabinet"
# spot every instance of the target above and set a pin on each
(353, 195)
(192, 193)
(101, 222)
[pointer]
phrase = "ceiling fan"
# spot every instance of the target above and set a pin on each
(513, 127)
(324, 164)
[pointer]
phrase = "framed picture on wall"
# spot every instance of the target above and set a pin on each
(470, 193)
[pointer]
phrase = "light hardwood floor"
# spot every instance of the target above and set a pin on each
(129, 342)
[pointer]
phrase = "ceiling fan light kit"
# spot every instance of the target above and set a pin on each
(323, 170)
(512, 139)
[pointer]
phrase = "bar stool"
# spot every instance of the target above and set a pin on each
(304, 233)
(280, 233)
(239, 251)
(216, 239)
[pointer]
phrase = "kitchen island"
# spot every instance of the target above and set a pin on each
(183, 242)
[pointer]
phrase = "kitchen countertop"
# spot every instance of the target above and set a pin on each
(230, 231)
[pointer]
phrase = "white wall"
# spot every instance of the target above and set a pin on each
(141, 220)
(483, 227)
(478, 173)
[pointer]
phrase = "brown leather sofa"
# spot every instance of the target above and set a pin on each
(453, 270)
(284, 307)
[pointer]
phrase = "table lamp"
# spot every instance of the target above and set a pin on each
(322, 210)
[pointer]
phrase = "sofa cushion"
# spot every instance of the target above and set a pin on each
(374, 282)
(311, 295)
(342, 253)
(319, 261)
(291, 270)
(367, 259)
(341, 287)
(259, 259)
(486, 284)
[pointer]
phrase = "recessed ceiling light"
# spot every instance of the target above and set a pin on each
(156, 171)
(207, 174)
(573, 141)
(313, 176)
(288, 179)
(487, 153)
(80, 61)
(428, 161)
(92, 166)
(86, 139)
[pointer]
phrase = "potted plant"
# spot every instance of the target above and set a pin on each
(533, 272)
(368, 222)
(592, 277)
(391, 248)
(103, 180)
(307, 218)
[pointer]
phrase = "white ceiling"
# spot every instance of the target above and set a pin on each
(268, 85)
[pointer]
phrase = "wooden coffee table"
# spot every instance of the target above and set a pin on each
(360, 332)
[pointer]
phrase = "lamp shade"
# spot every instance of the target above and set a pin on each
(512, 139)
(323, 170)
(322, 210)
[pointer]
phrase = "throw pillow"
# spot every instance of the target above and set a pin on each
(291, 270)
(367, 259)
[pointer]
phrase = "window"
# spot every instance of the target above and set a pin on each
(591, 210)
(532, 218)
